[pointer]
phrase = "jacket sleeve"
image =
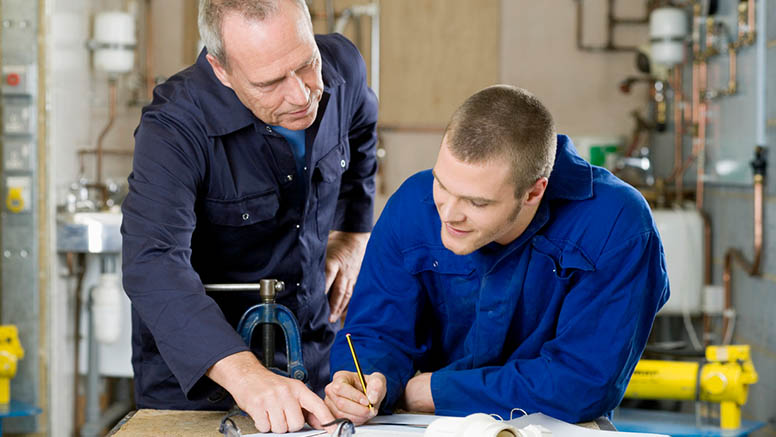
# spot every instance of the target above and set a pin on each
(188, 327)
(582, 373)
(355, 204)
(386, 295)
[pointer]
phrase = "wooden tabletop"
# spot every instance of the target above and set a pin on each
(176, 423)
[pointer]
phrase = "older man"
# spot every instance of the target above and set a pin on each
(258, 161)
(523, 277)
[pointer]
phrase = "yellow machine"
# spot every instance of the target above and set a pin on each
(10, 352)
(725, 378)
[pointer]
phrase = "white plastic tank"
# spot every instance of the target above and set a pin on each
(682, 234)
(667, 33)
(114, 42)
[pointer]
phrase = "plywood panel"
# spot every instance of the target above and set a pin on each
(434, 54)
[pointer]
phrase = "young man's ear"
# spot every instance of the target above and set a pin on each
(534, 194)
(219, 70)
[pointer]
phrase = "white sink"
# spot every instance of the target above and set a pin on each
(89, 232)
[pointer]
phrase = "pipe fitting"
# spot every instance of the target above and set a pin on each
(760, 162)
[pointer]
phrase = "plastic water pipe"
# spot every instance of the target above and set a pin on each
(760, 75)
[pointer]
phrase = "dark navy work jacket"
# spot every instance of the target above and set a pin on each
(215, 198)
(553, 322)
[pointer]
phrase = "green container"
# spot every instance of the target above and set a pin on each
(598, 153)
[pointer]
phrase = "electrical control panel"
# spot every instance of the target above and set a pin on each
(19, 214)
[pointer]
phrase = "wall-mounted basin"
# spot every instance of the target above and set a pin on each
(89, 232)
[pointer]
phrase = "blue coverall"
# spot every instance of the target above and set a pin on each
(553, 322)
(215, 197)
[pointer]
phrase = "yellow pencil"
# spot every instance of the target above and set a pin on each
(358, 369)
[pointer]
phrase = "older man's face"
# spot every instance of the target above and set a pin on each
(274, 66)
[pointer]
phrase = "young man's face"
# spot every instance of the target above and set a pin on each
(274, 66)
(476, 203)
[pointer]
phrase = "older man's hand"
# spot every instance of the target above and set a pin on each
(275, 403)
(344, 253)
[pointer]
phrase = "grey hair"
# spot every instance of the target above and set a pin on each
(212, 12)
(505, 122)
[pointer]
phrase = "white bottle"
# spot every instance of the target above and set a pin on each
(106, 308)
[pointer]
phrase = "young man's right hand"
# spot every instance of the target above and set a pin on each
(275, 403)
(345, 397)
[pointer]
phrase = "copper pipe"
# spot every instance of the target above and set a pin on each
(700, 122)
(742, 23)
(750, 22)
(149, 49)
(113, 91)
(679, 172)
(119, 152)
(709, 49)
(707, 277)
(735, 255)
(678, 129)
(732, 81)
(701, 134)
(695, 95)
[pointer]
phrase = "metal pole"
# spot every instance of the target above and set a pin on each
(92, 379)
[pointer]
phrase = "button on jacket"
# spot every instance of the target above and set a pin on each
(553, 322)
(215, 197)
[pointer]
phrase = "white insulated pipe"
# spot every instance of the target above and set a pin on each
(760, 74)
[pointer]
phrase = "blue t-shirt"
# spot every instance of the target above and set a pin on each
(296, 139)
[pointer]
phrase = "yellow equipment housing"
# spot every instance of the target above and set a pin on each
(725, 378)
(11, 351)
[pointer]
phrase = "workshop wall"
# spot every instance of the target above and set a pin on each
(539, 53)
(730, 205)
(78, 112)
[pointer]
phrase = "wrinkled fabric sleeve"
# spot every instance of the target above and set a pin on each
(386, 295)
(582, 373)
(355, 204)
(189, 329)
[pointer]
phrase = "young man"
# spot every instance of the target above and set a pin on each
(243, 164)
(511, 275)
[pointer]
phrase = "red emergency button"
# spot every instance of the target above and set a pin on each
(12, 79)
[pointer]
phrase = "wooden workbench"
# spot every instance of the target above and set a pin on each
(172, 423)
(175, 423)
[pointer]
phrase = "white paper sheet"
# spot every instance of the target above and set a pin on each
(380, 426)
(399, 425)
(560, 428)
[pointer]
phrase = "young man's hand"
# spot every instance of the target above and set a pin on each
(275, 403)
(345, 398)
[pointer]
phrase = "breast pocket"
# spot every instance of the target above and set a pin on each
(243, 212)
(554, 265)
(235, 233)
(327, 179)
(453, 287)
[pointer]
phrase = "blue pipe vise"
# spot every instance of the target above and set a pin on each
(269, 315)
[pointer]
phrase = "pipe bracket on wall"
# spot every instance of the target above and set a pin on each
(611, 23)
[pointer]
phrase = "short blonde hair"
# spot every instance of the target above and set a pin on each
(505, 122)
